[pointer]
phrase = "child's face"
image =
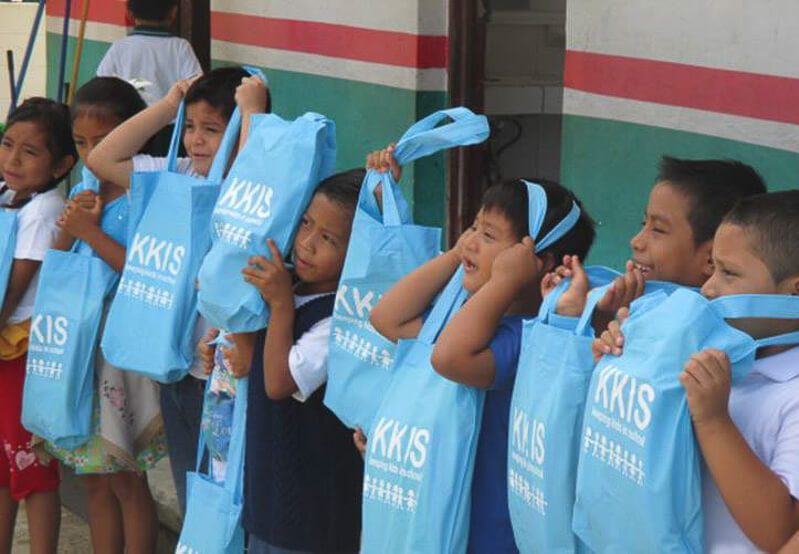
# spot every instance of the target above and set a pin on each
(25, 161)
(740, 270)
(202, 135)
(664, 248)
(88, 132)
(321, 244)
(492, 233)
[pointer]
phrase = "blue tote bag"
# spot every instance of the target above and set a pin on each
(213, 510)
(637, 450)
(264, 196)
(59, 383)
(8, 230)
(151, 321)
(383, 248)
(420, 455)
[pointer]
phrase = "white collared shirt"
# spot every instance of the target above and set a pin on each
(765, 408)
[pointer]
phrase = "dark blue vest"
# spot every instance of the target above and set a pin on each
(302, 475)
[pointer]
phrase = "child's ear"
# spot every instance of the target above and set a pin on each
(790, 286)
(705, 253)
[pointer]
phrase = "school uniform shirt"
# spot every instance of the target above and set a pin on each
(490, 530)
(765, 407)
(36, 232)
(153, 57)
(143, 163)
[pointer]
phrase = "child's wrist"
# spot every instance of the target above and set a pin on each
(713, 425)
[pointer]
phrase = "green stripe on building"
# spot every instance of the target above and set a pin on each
(611, 166)
(93, 52)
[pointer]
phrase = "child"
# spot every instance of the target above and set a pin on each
(302, 483)
(480, 345)
(210, 101)
(749, 433)
(129, 433)
(686, 205)
(151, 56)
(749, 436)
(36, 152)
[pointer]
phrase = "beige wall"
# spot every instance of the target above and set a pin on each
(16, 21)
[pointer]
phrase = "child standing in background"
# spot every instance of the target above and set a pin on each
(210, 102)
(128, 437)
(36, 152)
(151, 57)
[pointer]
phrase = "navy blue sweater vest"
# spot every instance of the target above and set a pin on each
(302, 476)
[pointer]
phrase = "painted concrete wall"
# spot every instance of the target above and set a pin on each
(16, 22)
(694, 79)
(374, 67)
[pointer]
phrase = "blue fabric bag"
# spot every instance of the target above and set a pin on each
(264, 196)
(421, 449)
(383, 248)
(152, 318)
(8, 230)
(59, 384)
(637, 450)
(213, 510)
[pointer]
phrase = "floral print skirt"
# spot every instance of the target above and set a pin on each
(128, 428)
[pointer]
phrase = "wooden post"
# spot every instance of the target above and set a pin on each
(194, 24)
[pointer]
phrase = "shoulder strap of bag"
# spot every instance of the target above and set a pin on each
(423, 138)
(771, 306)
(449, 301)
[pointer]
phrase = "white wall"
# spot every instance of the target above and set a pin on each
(16, 21)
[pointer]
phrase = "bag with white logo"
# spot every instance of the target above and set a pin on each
(637, 448)
(420, 454)
(152, 318)
(555, 367)
(59, 383)
(264, 196)
(213, 510)
(8, 229)
(383, 248)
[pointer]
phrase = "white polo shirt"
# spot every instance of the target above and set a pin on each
(765, 408)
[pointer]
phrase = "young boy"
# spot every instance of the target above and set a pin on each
(749, 435)
(151, 57)
(686, 205)
(480, 345)
(210, 101)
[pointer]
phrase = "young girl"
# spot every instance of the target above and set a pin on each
(35, 154)
(302, 482)
(129, 436)
(210, 101)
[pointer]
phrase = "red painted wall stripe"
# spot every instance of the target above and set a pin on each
(336, 41)
(739, 93)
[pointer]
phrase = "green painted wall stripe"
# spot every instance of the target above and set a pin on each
(93, 52)
(611, 166)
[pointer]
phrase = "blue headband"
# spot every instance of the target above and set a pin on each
(537, 203)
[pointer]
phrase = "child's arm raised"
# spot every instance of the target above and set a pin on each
(398, 314)
(251, 96)
(792, 547)
(273, 281)
(84, 224)
(462, 352)
(756, 497)
(112, 159)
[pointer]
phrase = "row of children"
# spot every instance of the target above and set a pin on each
(303, 478)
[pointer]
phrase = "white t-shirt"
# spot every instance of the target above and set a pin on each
(36, 232)
(143, 162)
(308, 356)
(156, 61)
(765, 408)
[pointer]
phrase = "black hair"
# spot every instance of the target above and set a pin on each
(54, 121)
(343, 188)
(107, 97)
(511, 199)
(151, 10)
(773, 223)
(712, 186)
(218, 89)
